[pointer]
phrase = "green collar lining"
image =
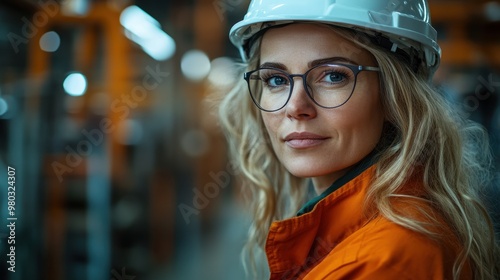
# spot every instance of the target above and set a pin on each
(361, 166)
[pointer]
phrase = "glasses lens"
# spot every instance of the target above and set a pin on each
(331, 85)
(270, 88)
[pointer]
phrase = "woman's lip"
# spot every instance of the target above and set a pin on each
(303, 136)
(302, 140)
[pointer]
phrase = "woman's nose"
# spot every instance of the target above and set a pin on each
(300, 105)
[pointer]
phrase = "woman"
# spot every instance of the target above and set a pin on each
(338, 93)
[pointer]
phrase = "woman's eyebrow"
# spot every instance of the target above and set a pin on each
(310, 64)
(273, 65)
(331, 60)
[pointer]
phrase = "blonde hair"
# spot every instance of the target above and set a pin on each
(450, 153)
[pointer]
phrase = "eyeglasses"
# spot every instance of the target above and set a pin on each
(328, 85)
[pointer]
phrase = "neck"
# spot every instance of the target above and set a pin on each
(321, 183)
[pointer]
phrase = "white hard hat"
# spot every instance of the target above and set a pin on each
(404, 23)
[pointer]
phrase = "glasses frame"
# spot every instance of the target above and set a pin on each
(356, 69)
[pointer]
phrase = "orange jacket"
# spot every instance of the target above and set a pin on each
(337, 241)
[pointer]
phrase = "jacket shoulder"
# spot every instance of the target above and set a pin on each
(385, 250)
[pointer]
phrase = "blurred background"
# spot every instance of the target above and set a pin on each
(121, 171)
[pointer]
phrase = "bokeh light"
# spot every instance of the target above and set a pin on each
(195, 65)
(4, 107)
(222, 72)
(50, 41)
(75, 84)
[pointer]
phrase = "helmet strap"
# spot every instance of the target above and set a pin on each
(409, 55)
(247, 46)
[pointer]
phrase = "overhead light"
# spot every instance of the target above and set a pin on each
(146, 32)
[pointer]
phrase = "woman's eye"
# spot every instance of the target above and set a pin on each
(334, 77)
(276, 81)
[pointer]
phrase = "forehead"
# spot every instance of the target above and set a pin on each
(300, 43)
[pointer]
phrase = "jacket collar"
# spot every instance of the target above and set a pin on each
(295, 244)
(355, 171)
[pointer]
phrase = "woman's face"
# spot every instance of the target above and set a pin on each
(311, 141)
